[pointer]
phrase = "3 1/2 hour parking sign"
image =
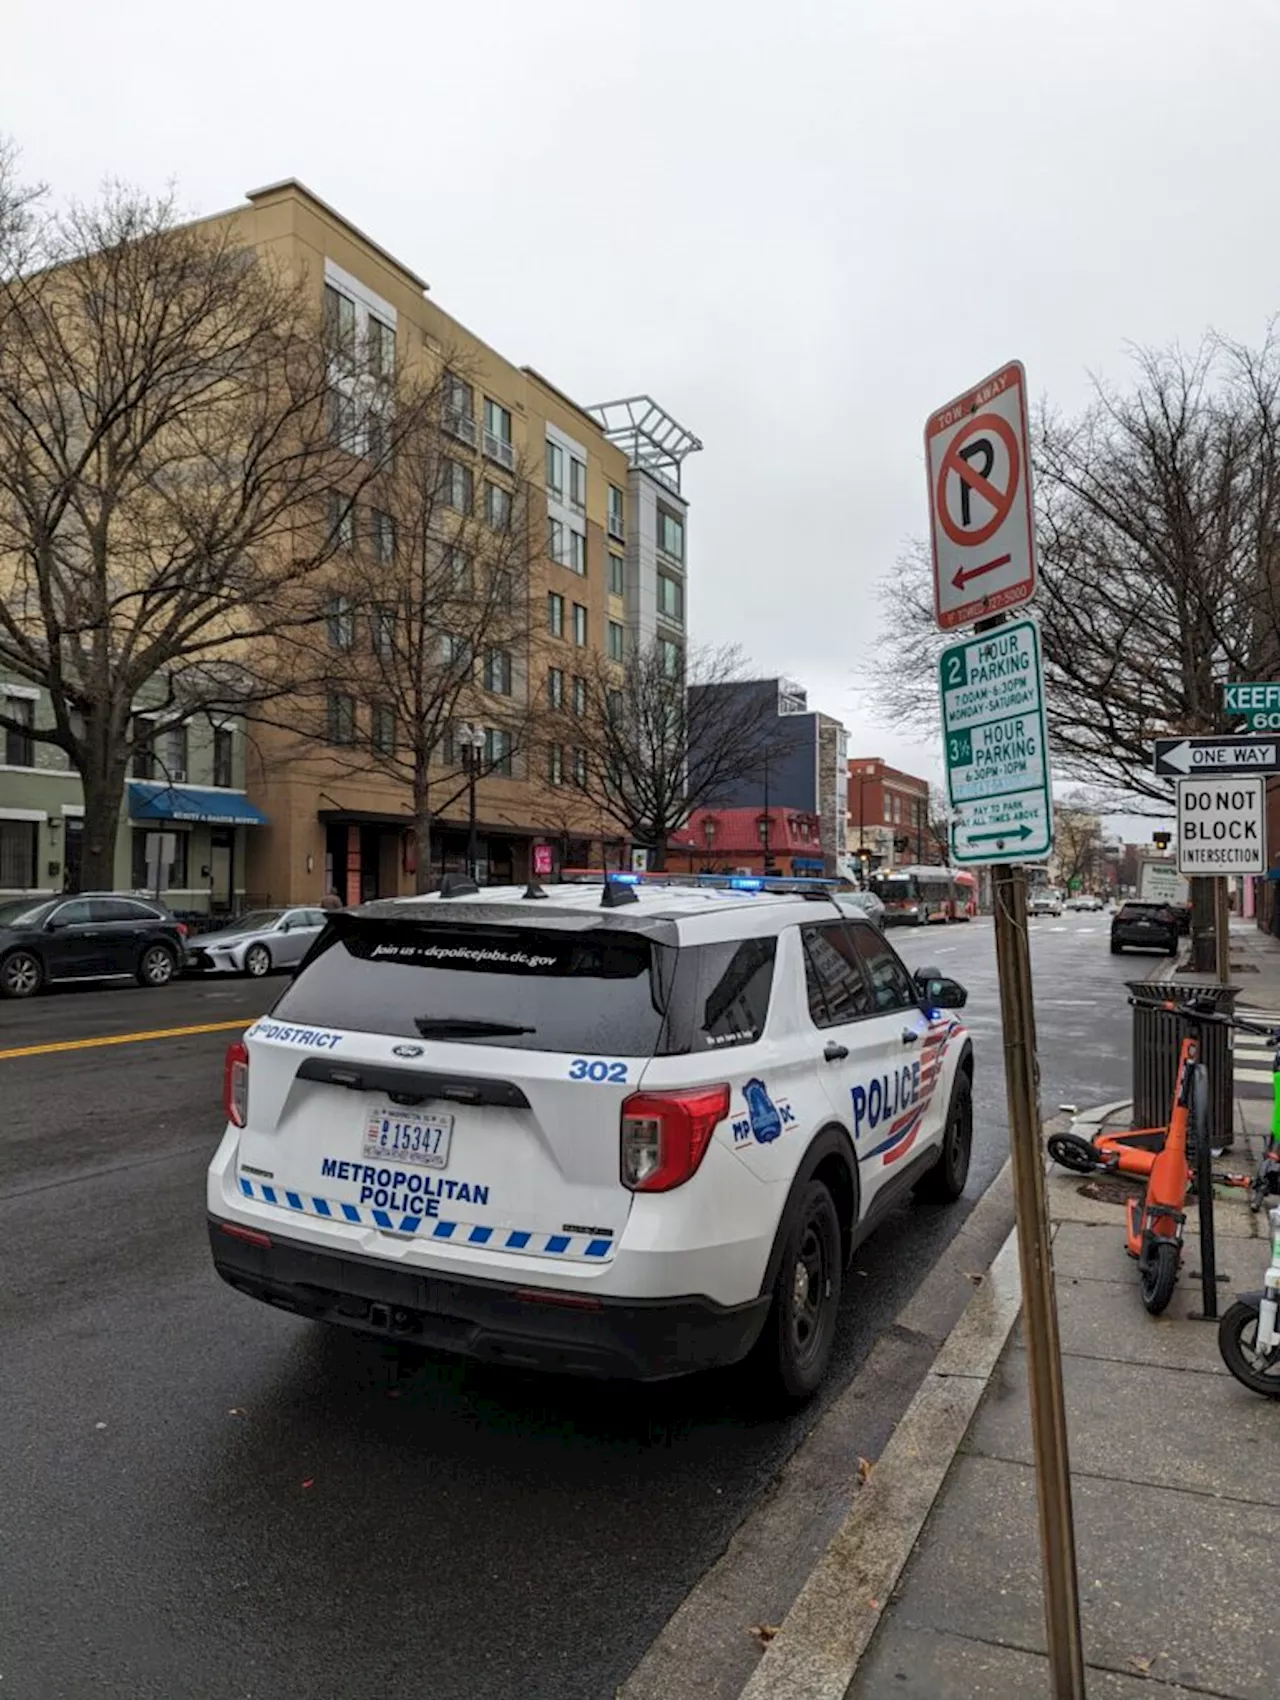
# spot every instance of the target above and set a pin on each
(976, 448)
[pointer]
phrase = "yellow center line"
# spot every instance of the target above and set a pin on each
(127, 1038)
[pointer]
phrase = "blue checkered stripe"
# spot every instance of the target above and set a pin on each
(539, 1244)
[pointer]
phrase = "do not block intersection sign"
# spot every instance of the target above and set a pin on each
(1222, 826)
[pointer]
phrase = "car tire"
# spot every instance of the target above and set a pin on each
(945, 1181)
(798, 1336)
(21, 974)
(156, 966)
(1116, 948)
(257, 961)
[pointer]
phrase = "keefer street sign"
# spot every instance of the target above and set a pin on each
(1179, 757)
(980, 500)
(996, 746)
(1221, 826)
(1259, 703)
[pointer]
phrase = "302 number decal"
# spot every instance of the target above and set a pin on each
(587, 1068)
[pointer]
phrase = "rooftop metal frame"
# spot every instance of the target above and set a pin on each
(648, 435)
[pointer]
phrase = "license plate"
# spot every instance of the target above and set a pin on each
(390, 1131)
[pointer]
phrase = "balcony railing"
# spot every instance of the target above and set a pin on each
(497, 448)
(459, 424)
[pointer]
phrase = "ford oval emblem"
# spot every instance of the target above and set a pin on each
(406, 1050)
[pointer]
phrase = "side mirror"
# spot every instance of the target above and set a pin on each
(939, 991)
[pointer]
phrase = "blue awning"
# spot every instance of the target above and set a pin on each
(148, 801)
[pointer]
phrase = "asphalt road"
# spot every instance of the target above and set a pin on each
(202, 1496)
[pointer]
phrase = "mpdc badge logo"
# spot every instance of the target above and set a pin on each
(762, 1112)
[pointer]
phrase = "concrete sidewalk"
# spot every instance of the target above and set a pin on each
(1175, 1486)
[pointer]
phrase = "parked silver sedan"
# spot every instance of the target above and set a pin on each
(862, 903)
(256, 944)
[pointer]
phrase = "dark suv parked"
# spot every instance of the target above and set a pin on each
(1153, 925)
(90, 936)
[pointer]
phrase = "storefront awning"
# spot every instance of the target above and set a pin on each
(149, 801)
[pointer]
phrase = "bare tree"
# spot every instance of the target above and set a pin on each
(652, 751)
(939, 824)
(169, 430)
(1077, 839)
(422, 623)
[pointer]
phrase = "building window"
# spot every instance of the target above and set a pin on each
(497, 751)
(457, 652)
(555, 687)
(671, 534)
(578, 484)
(497, 434)
(223, 754)
(579, 695)
(578, 553)
(615, 512)
(383, 532)
(670, 597)
(18, 848)
(555, 471)
(382, 631)
(614, 707)
(617, 575)
(555, 764)
(457, 409)
(19, 745)
(341, 623)
(339, 321)
(144, 748)
(502, 587)
(459, 571)
(617, 640)
(555, 614)
(497, 506)
(556, 547)
(383, 728)
(149, 872)
(458, 485)
(580, 769)
(342, 420)
(497, 672)
(579, 625)
(380, 345)
(340, 715)
(342, 519)
(174, 753)
(672, 658)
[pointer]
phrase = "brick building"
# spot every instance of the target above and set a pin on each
(886, 804)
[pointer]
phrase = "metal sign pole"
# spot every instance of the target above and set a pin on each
(1222, 930)
(1044, 1358)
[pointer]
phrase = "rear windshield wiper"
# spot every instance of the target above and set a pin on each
(445, 1026)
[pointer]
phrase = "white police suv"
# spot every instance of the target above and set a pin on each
(629, 1129)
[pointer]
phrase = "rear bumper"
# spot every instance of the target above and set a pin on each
(1166, 941)
(631, 1339)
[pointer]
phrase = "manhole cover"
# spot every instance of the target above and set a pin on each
(1111, 1189)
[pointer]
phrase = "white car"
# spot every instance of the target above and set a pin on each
(1044, 902)
(625, 1130)
(866, 903)
(262, 942)
(1086, 902)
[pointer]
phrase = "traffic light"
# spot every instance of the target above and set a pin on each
(901, 843)
(1161, 840)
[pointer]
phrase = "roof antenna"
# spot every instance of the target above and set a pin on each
(533, 889)
(616, 893)
(457, 885)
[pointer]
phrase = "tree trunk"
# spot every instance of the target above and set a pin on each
(422, 832)
(102, 781)
(1204, 944)
(658, 853)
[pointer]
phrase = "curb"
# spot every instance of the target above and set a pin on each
(816, 1653)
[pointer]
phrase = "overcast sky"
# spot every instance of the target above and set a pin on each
(799, 227)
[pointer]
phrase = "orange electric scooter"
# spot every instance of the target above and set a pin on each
(1163, 1156)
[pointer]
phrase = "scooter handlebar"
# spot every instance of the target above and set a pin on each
(1201, 1016)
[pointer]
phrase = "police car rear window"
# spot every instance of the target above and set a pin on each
(601, 991)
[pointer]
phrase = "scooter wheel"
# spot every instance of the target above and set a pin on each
(1074, 1153)
(1159, 1275)
(1236, 1335)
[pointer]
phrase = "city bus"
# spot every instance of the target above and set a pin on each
(966, 906)
(916, 896)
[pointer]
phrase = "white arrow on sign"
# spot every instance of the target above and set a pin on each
(1215, 755)
(1178, 758)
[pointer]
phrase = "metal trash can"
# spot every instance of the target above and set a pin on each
(1157, 1036)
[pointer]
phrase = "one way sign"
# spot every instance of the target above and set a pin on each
(1177, 757)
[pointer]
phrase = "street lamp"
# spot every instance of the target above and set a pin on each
(471, 741)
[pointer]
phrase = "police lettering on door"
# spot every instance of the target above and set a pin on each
(886, 1096)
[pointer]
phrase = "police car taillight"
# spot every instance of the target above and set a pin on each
(235, 1084)
(665, 1135)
